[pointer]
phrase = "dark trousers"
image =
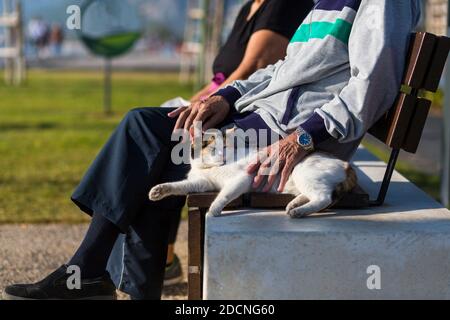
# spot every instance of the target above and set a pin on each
(136, 157)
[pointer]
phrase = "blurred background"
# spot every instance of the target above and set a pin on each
(55, 113)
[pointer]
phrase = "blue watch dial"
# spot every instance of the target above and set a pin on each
(305, 139)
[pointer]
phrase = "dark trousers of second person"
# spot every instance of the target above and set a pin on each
(116, 186)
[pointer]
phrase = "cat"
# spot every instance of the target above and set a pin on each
(318, 181)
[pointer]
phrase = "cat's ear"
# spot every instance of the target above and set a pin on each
(205, 143)
(210, 141)
(230, 131)
(226, 135)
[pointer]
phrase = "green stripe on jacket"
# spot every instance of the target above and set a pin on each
(319, 30)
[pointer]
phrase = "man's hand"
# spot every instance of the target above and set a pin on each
(210, 112)
(282, 157)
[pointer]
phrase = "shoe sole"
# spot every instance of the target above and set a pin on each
(16, 298)
(173, 281)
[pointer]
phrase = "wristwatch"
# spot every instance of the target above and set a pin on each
(305, 140)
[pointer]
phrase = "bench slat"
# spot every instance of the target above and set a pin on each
(421, 53)
(417, 125)
(392, 128)
(264, 200)
(204, 200)
(437, 64)
(358, 198)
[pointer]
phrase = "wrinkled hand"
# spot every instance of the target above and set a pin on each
(210, 112)
(282, 157)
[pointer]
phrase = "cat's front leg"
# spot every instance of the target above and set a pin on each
(180, 188)
(160, 191)
(229, 193)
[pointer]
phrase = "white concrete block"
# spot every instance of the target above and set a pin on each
(266, 255)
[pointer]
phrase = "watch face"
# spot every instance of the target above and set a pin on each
(305, 140)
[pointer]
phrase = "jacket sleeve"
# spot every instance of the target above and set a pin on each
(377, 50)
(260, 80)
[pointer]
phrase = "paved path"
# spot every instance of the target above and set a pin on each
(138, 61)
(29, 252)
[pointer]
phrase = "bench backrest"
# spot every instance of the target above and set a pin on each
(402, 126)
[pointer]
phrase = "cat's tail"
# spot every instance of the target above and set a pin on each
(350, 182)
(302, 206)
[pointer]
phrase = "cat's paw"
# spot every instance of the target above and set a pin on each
(291, 207)
(214, 213)
(159, 192)
(295, 213)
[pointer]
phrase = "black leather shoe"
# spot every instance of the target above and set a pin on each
(54, 287)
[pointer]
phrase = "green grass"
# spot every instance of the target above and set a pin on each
(437, 99)
(429, 183)
(52, 127)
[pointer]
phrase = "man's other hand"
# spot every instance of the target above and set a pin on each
(210, 112)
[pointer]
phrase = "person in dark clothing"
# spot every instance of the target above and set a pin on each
(126, 245)
(259, 37)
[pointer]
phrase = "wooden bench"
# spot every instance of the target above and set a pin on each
(400, 129)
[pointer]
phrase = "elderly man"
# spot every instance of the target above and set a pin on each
(341, 73)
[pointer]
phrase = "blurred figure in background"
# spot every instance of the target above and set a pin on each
(56, 39)
(260, 36)
(38, 35)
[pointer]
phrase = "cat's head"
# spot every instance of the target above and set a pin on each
(217, 148)
(209, 153)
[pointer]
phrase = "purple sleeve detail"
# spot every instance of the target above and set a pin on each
(230, 94)
(315, 126)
